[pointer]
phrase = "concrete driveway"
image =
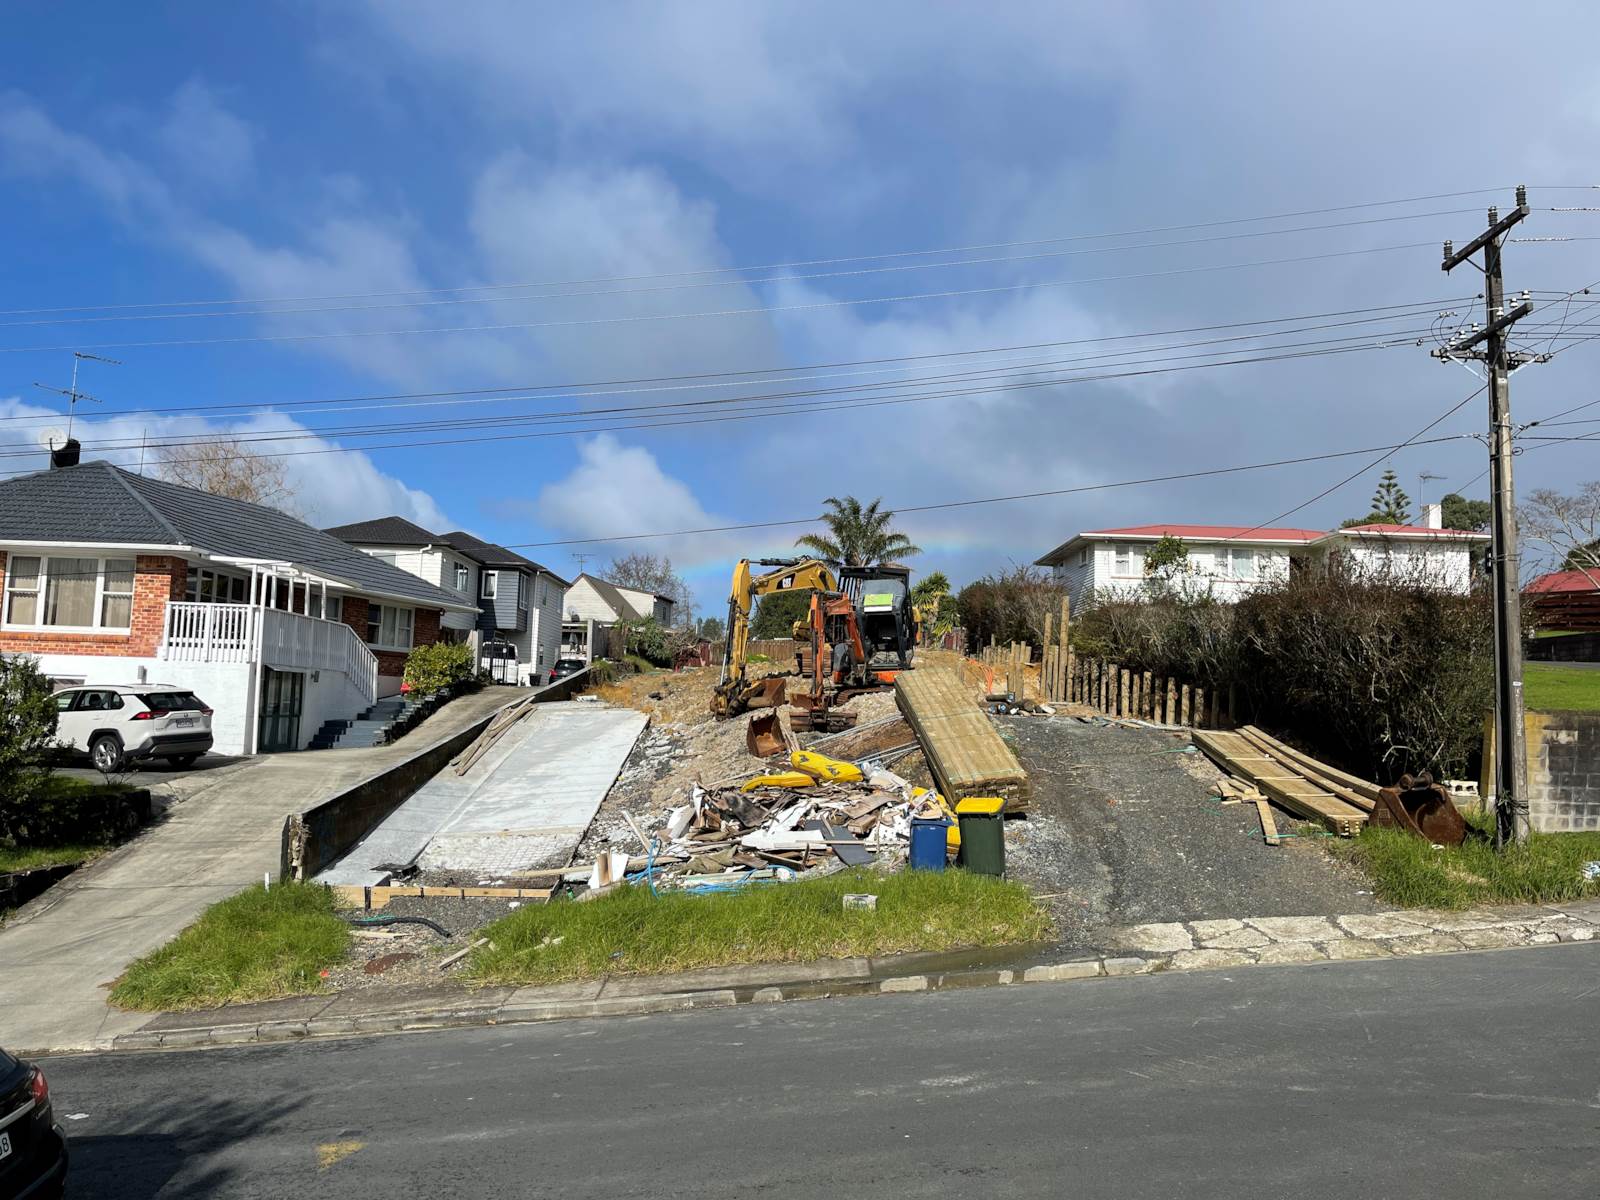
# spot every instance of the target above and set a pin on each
(62, 951)
(160, 774)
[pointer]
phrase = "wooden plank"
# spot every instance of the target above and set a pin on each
(1269, 826)
(1364, 788)
(1286, 787)
(965, 754)
(1310, 768)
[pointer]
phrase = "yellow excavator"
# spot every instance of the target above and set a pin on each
(734, 693)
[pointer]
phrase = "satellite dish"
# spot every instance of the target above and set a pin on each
(52, 436)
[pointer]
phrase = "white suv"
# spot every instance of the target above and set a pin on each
(119, 723)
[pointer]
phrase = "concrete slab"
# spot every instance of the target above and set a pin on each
(587, 989)
(294, 1008)
(742, 976)
(524, 806)
(446, 996)
(224, 835)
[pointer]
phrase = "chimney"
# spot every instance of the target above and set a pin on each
(1433, 516)
(64, 455)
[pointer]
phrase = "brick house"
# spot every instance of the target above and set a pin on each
(111, 577)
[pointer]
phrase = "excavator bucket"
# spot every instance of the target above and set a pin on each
(770, 692)
(763, 737)
(1424, 809)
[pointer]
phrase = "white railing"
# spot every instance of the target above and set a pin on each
(242, 633)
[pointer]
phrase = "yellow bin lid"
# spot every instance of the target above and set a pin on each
(980, 806)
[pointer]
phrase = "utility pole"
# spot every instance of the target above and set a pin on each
(1510, 744)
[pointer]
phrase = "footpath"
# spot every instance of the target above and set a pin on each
(60, 954)
(1137, 950)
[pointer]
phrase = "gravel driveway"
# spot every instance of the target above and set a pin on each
(1124, 830)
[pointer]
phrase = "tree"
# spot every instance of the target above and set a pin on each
(1010, 606)
(1390, 504)
(27, 729)
(777, 612)
(713, 629)
(1457, 512)
(1567, 528)
(654, 573)
(225, 466)
(858, 536)
(1167, 560)
(932, 598)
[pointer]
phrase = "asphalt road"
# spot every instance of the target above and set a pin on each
(1462, 1076)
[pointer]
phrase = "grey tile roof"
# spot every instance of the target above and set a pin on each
(495, 556)
(98, 502)
(385, 531)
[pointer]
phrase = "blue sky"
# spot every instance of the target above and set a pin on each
(183, 153)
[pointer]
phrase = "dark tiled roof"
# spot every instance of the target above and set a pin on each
(98, 502)
(495, 556)
(385, 531)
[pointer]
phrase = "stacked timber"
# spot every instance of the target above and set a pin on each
(1292, 780)
(965, 754)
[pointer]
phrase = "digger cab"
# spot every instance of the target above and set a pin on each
(882, 599)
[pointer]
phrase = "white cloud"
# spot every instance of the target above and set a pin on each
(329, 489)
(204, 140)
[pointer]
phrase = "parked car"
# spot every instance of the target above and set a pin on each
(565, 667)
(33, 1148)
(115, 724)
(500, 660)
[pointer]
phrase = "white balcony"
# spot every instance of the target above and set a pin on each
(246, 633)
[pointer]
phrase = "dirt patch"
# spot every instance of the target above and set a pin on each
(414, 952)
(1124, 829)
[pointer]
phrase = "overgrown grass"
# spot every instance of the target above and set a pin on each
(26, 858)
(1548, 687)
(632, 932)
(1408, 871)
(258, 945)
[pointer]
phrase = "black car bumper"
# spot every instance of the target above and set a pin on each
(49, 1167)
(173, 743)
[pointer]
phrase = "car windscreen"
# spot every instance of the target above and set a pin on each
(165, 702)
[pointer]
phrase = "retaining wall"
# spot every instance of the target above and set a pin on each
(1574, 647)
(1563, 770)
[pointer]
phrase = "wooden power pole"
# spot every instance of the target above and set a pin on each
(1488, 346)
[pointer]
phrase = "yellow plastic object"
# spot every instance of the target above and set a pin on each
(953, 834)
(782, 779)
(984, 806)
(820, 766)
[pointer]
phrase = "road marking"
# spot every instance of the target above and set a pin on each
(329, 1153)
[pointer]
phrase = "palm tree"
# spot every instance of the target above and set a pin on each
(858, 536)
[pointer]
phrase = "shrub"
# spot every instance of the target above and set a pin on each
(1009, 607)
(27, 730)
(440, 666)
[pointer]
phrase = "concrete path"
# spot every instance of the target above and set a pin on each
(525, 805)
(59, 953)
(1467, 1076)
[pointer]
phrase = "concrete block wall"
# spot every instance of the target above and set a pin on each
(1563, 770)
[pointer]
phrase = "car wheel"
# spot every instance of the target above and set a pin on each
(106, 753)
(182, 761)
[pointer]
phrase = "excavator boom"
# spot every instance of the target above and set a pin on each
(733, 693)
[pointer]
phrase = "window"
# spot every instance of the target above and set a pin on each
(1122, 561)
(491, 581)
(216, 587)
(69, 593)
(116, 594)
(333, 608)
(64, 700)
(385, 556)
(1244, 563)
(522, 591)
(463, 577)
(389, 626)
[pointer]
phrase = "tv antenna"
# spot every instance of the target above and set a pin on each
(72, 393)
(1422, 484)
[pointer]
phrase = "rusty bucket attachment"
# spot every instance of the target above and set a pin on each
(770, 692)
(762, 736)
(1422, 807)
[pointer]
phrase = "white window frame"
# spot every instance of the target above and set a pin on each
(463, 577)
(381, 641)
(1236, 554)
(1122, 561)
(522, 593)
(41, 592)
(489, 585)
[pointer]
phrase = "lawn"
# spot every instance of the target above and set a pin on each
(58, 802)
(1409, 871)
(27, 858)
(258, 945)
(1552, 687)
(631, 931)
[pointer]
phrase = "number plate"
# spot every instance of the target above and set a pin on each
(5, 1145)
(183, 722)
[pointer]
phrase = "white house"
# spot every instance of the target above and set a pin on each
(594, 604)
(111, 577)
(515, 599)
(1230, 561)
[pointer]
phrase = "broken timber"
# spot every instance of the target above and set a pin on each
(1286, 786)
(965, 754)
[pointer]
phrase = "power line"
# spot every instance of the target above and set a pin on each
(635, 318)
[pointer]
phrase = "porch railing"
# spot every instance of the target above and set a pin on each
(243, 633)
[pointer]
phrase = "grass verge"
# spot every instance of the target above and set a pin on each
(258, 945)
(633, 932)
(1408, 871)
(1552, 687)
(27, 858)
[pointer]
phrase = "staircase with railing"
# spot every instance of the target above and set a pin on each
(245, 633)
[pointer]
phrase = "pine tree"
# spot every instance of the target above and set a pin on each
(1390, 504)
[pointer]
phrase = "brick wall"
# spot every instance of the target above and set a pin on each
(424, 632)
(157, 579)
(1563, 770)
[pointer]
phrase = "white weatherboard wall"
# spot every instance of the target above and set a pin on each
(583, 603)
(544, 622)
(1448, 565)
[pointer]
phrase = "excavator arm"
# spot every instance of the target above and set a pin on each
(733, 694)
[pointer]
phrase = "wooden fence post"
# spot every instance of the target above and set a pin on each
(1125, 691)
(1186, 706)
(1171, 717)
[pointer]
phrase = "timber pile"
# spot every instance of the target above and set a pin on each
(965, 754)
(1292, 780)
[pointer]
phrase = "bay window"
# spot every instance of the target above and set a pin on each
(389, 626)
(69, 593)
